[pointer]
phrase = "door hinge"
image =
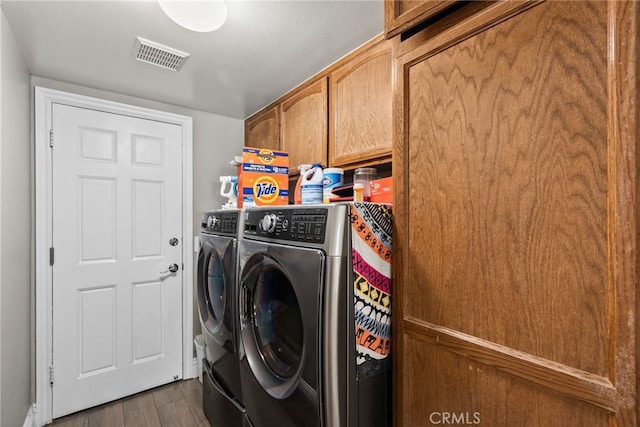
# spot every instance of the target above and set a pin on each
(51, 375)
(51, 138)
(51, 255)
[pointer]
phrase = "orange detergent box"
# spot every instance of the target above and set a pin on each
(382, 190)
(263, 177)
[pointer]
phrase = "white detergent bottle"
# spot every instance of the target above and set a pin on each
(311, 187)
(297, 196)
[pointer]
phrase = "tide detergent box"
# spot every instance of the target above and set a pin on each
(263, 177)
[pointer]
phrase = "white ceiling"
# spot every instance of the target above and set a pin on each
(264, 49)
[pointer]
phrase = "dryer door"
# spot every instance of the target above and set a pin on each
(279, 315)
(216, 271)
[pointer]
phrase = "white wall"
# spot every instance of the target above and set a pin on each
(16, 344)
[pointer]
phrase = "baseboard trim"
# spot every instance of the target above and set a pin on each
(30, 419)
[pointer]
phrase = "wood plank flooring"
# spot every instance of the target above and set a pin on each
(177, 404)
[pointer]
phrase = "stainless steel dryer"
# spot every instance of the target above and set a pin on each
(217, 303)
(297, 322)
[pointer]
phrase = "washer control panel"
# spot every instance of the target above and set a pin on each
(299, 224)
(220, 222)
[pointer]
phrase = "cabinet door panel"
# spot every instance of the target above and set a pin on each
(484, 397)
(515, 167)
(262, 129)
(303, 132)
(361, 107)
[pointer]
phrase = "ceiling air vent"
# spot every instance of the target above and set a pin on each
(157, 54)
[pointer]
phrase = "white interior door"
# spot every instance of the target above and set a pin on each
(117, 203)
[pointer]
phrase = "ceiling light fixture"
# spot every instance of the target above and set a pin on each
(196, 15)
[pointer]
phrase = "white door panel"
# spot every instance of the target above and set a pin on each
(117, 319)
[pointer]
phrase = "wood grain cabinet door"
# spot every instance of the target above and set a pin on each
(262, 130)
(516, 234)
(402, 15)
(360, 95)
(303, 130)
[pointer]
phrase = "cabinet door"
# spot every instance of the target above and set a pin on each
(303, 130)
(516, 246)
(401, 15)
(361, 107)
(262, 129)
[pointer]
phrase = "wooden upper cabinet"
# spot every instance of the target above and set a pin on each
(262, 130)
(399, 15)
(303, 124)
(342, 117)
(361, 95)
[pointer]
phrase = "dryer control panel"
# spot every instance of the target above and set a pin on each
(220, 222)
(298, 224)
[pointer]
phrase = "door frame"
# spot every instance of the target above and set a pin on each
(44, 99)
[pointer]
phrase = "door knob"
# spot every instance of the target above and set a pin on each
(172, 269)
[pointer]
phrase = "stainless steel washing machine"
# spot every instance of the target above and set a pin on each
(217, 302)
(297, 322)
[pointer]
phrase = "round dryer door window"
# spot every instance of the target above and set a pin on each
(215, 286)
(272, 329)
(278, 322)
(211, 289)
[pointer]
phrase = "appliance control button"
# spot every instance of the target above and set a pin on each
(268, 223)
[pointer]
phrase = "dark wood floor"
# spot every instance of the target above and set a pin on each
(177, 404)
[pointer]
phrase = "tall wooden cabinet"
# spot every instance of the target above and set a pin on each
(516, 235)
